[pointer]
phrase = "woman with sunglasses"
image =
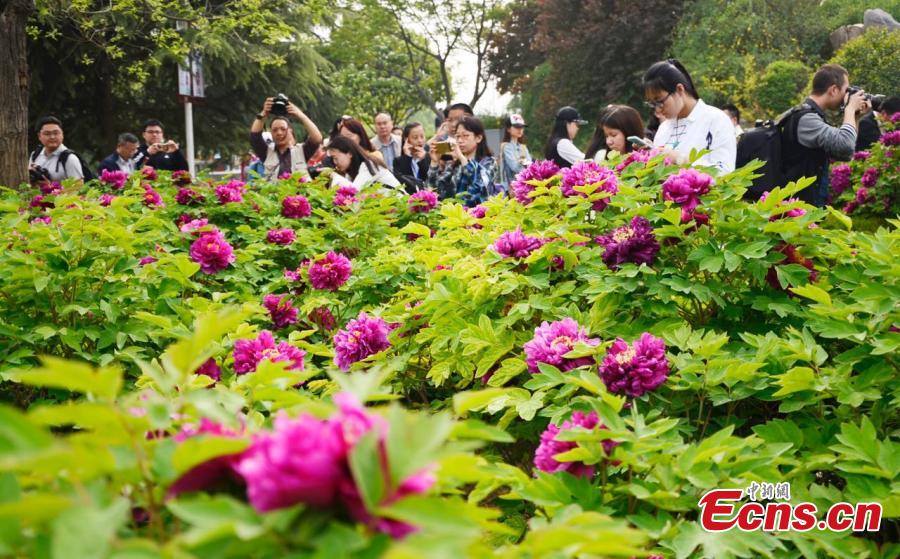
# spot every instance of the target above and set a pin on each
(689, 123)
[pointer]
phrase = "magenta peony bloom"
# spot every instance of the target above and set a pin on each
(187, 196)
(106, 199)
(210, 369)
(152, 197)
(149, 173)
(345, 196)
(281, 310)
(791, 256)
(870, 177)
(147, 260)
(422, 201)
(861, 155)
(553, 340)
(840, 178)
(477, 212)
(633, 243)
(48, 188)
(544, 455)
(515, 244)
(181, 178)
(322, 318)
(195, 225)
(249, 353)
(416, 484)
(795, 212)
(281, 236)
(295, 207)
(232, 191)
(685, 188)
(300, 461)
(636, 369)
(362, 337)
(115, 179)
(212, 472)
(587, 173)
(537, 171)
(891, 138)
(44, 219)
(636, 156)
(39, 202)
(212, 252)
(284, 175)
(330, 272)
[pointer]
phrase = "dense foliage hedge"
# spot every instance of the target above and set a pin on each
(751, 342)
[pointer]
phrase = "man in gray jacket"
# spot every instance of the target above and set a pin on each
(810, 142)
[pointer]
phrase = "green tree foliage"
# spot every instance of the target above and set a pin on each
(871, 61)
(104, 69)
(782, 85)
(369, 65)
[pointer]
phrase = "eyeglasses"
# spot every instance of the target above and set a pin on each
(658, 104)
(51, 133)
(464, 136)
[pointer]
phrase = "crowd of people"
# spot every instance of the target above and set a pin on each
(457, 161)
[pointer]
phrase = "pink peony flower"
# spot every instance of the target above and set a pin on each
(212, 252)
(249, 353)
(195, 225)
(870, 177)
(861, 156)
(322, 318)
(362, 337)
(295, 207)
(553, 340)
(232, 191)
(891, 138)
(840, 178)
(212, 472)
(50, 188)
(345, 196)
(284, 175)
(152, 197)
(633, 243)
(44, 219)
(187, 196)
(636, 369)
(210, 369)
(300, 461)
(281, 236)
(685, 188)
(587, 173)
(149, 173)
(416, 484)
(791, 256)
(515, 244)
(422, 201)
(537, 171)
(330, 272)
(281, 310)
(795, 212)
(39, 202)
(115, 179)
(636, 156)
(544, 455)
(181, 178)
(147, 260)
(478, 212)
(106, 199)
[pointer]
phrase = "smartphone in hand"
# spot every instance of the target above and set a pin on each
(635, 140)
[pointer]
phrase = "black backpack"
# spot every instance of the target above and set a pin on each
(766, 143)
(61, 161)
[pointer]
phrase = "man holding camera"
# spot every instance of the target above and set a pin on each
(53, 161)
(809, 141)
(158, 153)
(284, 155)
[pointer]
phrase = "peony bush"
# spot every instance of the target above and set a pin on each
(284, 369)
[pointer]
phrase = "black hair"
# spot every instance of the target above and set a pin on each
(127, 138)
(460, 107)
(666, 75)
(43, 121)
(475, 126)
(153, 122)
(890, 105)
(506, 136)
(407, 130)
(618, 117)
(358, 156)
(560, 131)
(732, 110)
(280, 117)
(827, 76)
(357, 128)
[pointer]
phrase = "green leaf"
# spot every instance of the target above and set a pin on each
(508, 370)
(416, 229)
(73, 376)
(796, 380)
(813, 292)
(196, 450)
(476, 429)
(71, 527)
(365, 465)
(413, 441)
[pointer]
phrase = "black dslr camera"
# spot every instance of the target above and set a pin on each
(873, 99)
(38, 174)
(280, 105)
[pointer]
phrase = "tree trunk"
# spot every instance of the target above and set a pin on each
(13, 92)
